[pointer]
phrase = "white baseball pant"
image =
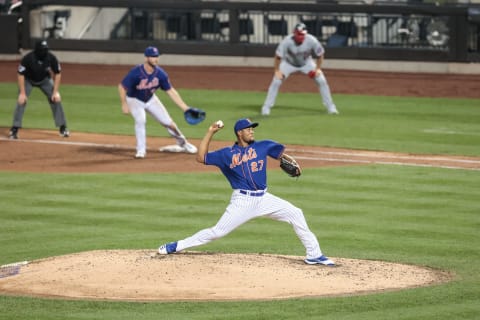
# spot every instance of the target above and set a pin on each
(157, 110)
(243, 208)
(287, 69)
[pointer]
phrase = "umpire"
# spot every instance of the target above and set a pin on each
(39, 68)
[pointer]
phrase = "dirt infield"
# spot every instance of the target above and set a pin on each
(46, 151)
(134, 275)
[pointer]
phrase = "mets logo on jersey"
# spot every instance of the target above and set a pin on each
(238, 158)
(145, 85)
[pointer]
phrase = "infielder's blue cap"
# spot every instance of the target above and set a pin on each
(151, 52)
(244, 123)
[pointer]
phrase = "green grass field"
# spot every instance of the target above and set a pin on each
(414, 215)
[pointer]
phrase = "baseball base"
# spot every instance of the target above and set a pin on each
(172, 148)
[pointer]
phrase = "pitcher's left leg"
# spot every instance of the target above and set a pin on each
(282, 210)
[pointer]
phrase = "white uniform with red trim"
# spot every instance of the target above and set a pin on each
(299, 58)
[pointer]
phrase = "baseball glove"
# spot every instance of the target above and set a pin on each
(194, 115)
(290, 166)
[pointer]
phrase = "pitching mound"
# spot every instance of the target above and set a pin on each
(134, 275)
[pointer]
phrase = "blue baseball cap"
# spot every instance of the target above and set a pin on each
(243, 124)
(152, 52)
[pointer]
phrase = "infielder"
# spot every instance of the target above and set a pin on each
(137, 95)
(39, 68)
(296, 53)
(245, 166)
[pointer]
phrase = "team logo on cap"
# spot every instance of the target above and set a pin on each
(152, 52)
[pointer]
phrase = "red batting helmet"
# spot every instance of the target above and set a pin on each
(299, 32)
(300, 28)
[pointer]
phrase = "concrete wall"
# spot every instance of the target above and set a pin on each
(188, 60)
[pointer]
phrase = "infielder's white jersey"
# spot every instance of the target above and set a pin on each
(299, 58)
(298, 55)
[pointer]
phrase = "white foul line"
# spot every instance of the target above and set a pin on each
(352, 154)
(372, 154)
(384, 162)
(73, 143)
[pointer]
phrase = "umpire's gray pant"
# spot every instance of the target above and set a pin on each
(46, 85)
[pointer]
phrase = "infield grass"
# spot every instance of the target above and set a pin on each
(416, 125)
(414, 215)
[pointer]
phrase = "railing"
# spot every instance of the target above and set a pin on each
(388, 32)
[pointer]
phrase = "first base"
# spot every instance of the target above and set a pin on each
(172, 148)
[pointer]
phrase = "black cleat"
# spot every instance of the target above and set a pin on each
(64, 132)
(13, 134)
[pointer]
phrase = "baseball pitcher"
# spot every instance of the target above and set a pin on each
(244, 164)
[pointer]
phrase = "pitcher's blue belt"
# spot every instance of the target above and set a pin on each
(253, 193)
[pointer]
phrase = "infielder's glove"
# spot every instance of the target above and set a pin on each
(290, 166)
(194, 115)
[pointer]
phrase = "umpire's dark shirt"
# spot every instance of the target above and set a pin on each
(37, 70)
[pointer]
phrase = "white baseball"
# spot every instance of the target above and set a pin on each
(220, 123)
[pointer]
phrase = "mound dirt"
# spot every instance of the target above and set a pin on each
(140, 275)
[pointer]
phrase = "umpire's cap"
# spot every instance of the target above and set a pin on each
(41, 49)
(41, 45)
(243, 124)
(151, 52)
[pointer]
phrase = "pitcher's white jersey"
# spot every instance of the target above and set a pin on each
(298, 55)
